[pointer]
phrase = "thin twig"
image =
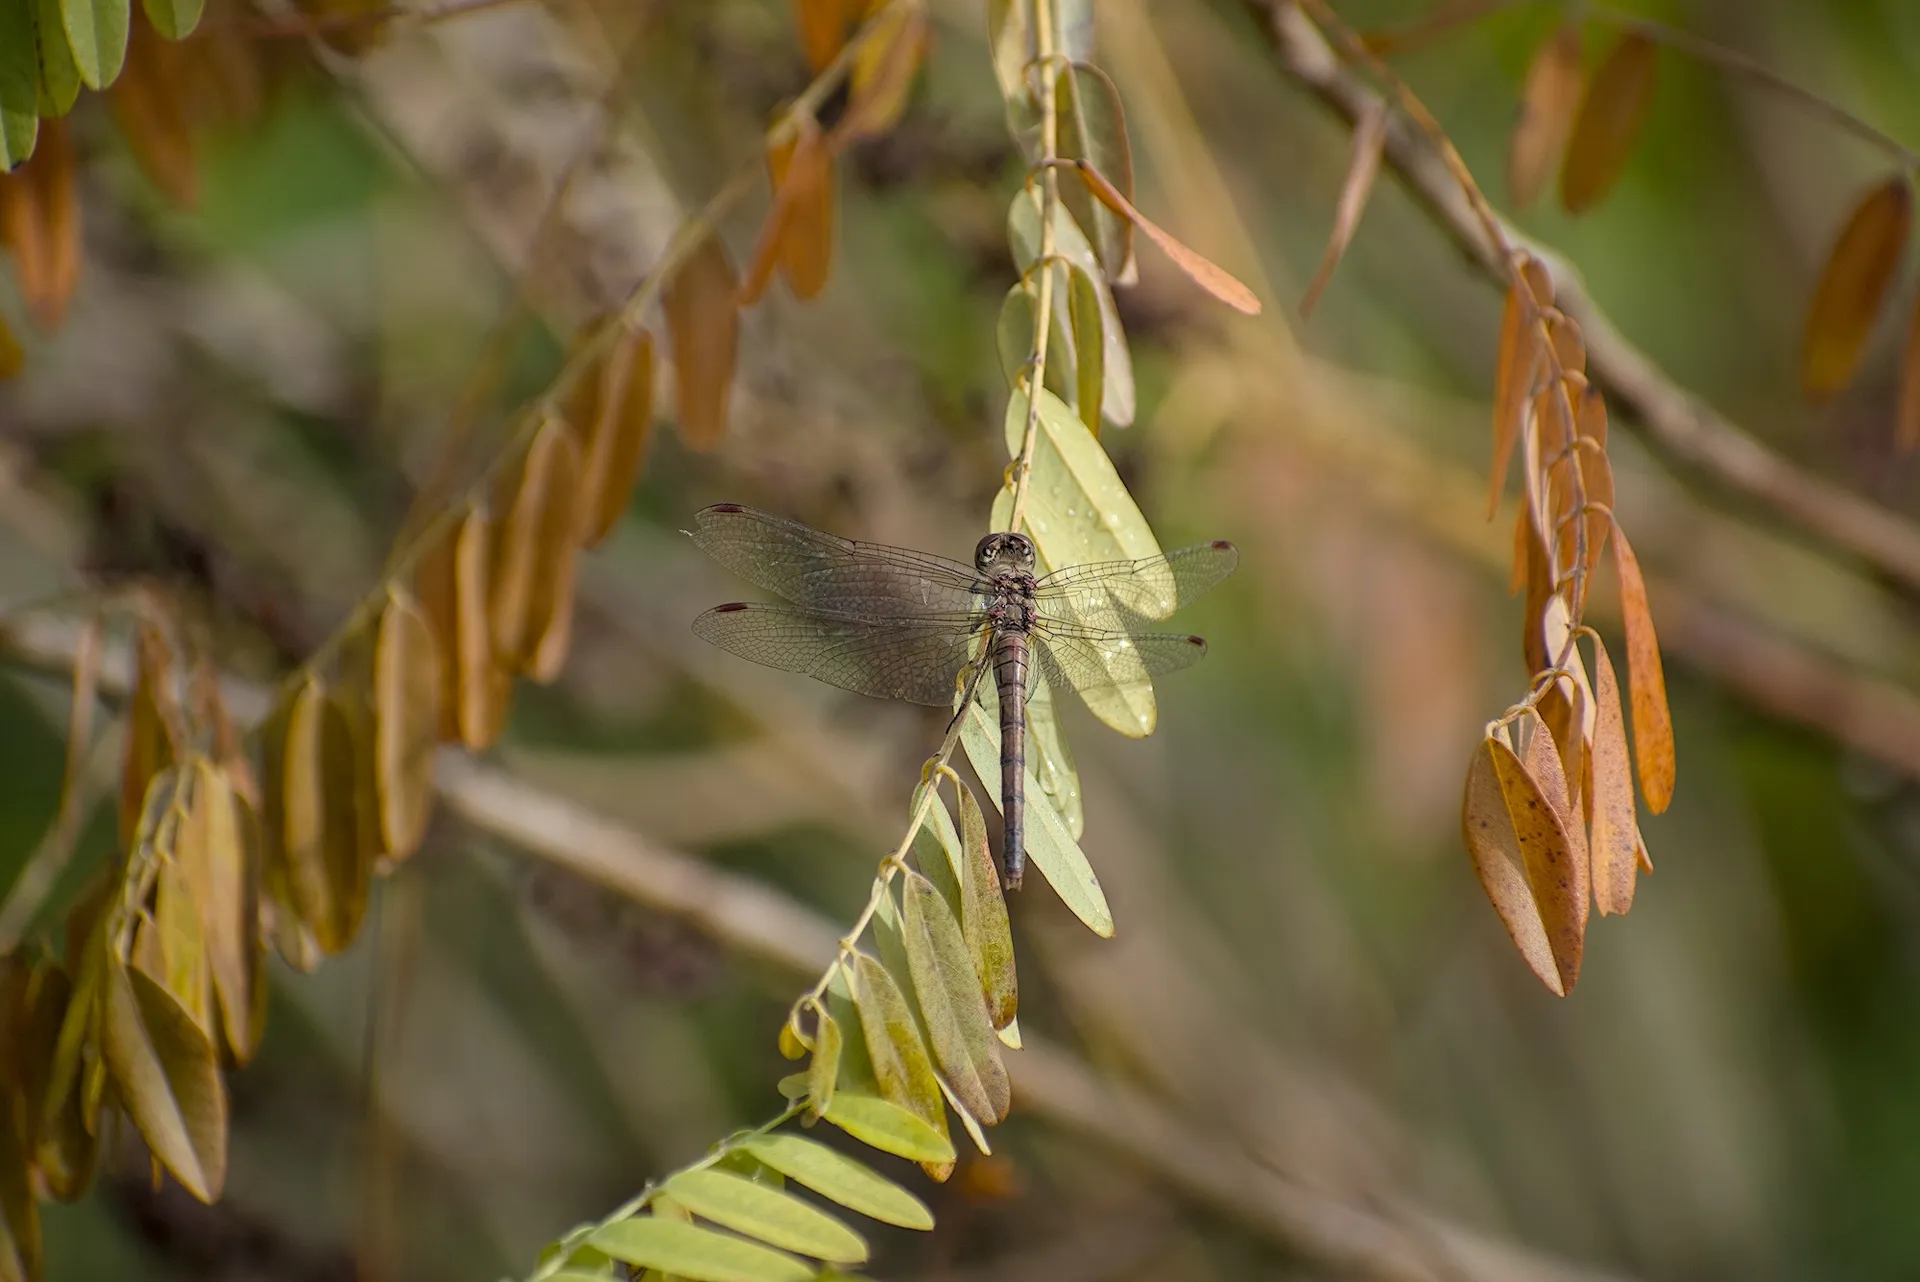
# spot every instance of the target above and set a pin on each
(1036, 377)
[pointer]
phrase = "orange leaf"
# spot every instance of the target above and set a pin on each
(1524, 862)
(1204, 273)
(148, 105)
(1517, 366)
(1615, 833)
(616, 434)
(40, 222)
(1652, 722)
(1369, 136)
(704, 326)
(824, 25)
(1547, 768)
(11, 357)
(1611, 113)
(1853, 285)
(798, 234)
(1547, 103)
(1908, 434)
(883, 73)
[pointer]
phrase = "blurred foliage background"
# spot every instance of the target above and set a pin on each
(247, 388)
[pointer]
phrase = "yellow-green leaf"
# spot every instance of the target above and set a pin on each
(221, 865)
(174, 19)
(983, 916)
(20, 1243)
(840, 1178)
(823, 1070)
(951, 1002)
(311, 801)
(97, 33)
(1050, 847)
(1117, 399)
(452, 585)
(59, 77)
(779, 1219)
(1014, 336)
(649, 1242)
(165, 1069)
(1093, 128)
(531, 576)
(900, 1059)
(1611, 114)
(1853, 286)
(886, 1126)
(19, 84)
(1053, 763)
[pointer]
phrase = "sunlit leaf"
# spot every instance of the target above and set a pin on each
(1611, 113)
(703, 325)
(840, 1178)
(950, 999)
(1089, 347)
(823, 1070)
(168, 1078)
(1853, 285)
(900, 1059)
(1518, 851)
(1205, 273)
(97, 33)
(1050, 847)
(1652, 722)
(1547, 103)
(1093, 128)
(19, 84)
(1117, 400)
(884, 1125)
(689, 1251)
(1615, 832)
(1014, 337)
(777, 1218)
(883, 71)
(1369, 137)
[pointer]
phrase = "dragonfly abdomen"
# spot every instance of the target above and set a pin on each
(1011, 655)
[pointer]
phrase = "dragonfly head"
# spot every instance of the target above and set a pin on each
(1006, 553)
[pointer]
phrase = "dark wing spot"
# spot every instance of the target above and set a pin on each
(1221, 545)
(731, 607)
(728, 508)
(1198, 643)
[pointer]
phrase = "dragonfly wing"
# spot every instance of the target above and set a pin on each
(911, 660)
(822, 571)
(1110, 594)
(1092, 663)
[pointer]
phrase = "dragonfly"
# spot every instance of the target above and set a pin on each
(899, 624)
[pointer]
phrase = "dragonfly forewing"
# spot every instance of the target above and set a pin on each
(901, 659)
(825, 572)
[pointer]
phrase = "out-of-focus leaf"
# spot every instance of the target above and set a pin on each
(149, 740)
(40, 222)
(150, 109)
(1014, 337)
(1369, 137)
(1853, 285)
(531, 573)
(883, 71)
(1010, 41)
(59, 77)
(1202, 271)
(824, 26)
(689, 1251)
(823, 1070)
(840, 1178)
(97, 33)
(884, 1125)
(220, 866)
(803, 176)
(65, 1152)
(1089, 347)
(1117, 400)
(612, 408)
(11, 355)
(777, 1218)
(312, 803)
(19, 84)
(406, 720)
(1518, 367)
(174, 19)
(1547, 103)
(165, 1069)
(1652, 722)
(1596, 474)
(1615, 831)
(1050, 847)
(1907, 433)
(1093, 128)
(950, 999)
(20, 1244)
(983, 917)
(452, 583)
(900, 1059)
(703, 324)
(1611, 113)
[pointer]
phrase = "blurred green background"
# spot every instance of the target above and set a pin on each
(246, 392)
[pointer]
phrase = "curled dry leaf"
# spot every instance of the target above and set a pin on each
(1553, 763)
(1518, 365)
(1547, 103)
(1525, 862)
(1093, 128)
(1611, 114)
(883, 72)
(1369, 136)
(1614, 837)
(1853, 285)
(1652, 722)
(703, 324)
(1208, 275)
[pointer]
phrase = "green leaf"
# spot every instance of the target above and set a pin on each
(19, 84)
(735, 1202)
(1093, 128)
(951, 1002)
(1079, 513)
(1052, 759)
(1050, 847)
(888, 1127)
(59, 78)
(833, 1175)
(793, 1086)
(649, 1242)
(900, 1058)
(823, 1070)
(1089, 347)
(176, 19)
(1070, 243)
(983, 917)
(164, 1066)
(97, 34)
(856, 1066)
(937, 842)
(1010, 40)
(1014, 335)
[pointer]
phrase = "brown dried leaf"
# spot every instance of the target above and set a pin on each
(150, 717)
(797, 236)
(406, 717)
(40, 222)
(12, 357)
(1497, 858)
(617, 429)
(1853, 285)
(1540, 842)
(533, 553)
(1611, 113)
(1652, 722)
(165, 1069)
(451, 583)
(148, 104)
(1208, 275)
(218, 857)
(824, 26)
(1369, 136)
(316, 805)
(1547, 103)
(883, 72)
(1615, 834)
(1907, 433)
(1518, 367)
(1551, 770)
(703, 324)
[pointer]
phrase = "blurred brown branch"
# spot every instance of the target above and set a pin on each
(1670, 416)
(1358, 1237)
